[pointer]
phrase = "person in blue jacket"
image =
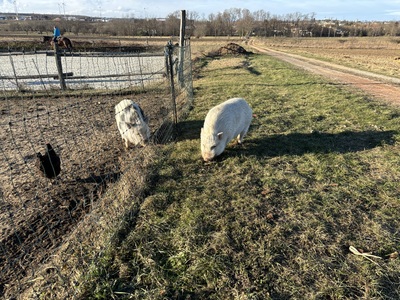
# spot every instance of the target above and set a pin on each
(56, 33)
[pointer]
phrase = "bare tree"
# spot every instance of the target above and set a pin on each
(246, 23)
(230, 22)
(172, 23)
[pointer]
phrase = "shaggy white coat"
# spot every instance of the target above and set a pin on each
(132, 123)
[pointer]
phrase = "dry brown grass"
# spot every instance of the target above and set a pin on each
(380, 55)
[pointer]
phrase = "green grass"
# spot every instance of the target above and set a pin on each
(273, 218)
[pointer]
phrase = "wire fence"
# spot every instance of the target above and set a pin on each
(81, 70)
(45, 222)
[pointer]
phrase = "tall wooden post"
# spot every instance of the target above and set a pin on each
(170, 66)
(182, 45)
(182, 28)
(57, 55)
(15, 74)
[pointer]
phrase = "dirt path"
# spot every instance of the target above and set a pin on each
(379, 86)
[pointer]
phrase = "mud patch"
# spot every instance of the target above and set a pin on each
(229, 49)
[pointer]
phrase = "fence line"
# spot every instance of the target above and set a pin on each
(25, 72)
(39, 216)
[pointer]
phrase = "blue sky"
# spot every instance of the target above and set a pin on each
(362, 10)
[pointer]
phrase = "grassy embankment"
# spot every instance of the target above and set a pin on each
(273, 218)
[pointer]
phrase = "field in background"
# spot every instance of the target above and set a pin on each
(375, 54)
(140, 43)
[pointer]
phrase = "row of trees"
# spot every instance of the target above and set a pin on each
(231, 22)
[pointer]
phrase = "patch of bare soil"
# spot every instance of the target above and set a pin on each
(78, 44)
(382, 87)
(37, 213)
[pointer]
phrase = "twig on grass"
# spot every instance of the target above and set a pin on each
(367, 255)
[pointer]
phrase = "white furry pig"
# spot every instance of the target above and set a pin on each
(132, 123)
(223, 123)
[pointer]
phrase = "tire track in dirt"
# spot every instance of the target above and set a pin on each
(379, 86)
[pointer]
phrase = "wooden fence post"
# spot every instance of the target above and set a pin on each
(182, 45)
(170, 66)
(15, 74)
(59, 67)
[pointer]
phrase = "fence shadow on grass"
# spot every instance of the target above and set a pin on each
(301, 143)
(296, 143)
(189, 130)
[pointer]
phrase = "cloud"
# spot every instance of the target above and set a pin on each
(393, 12)
(6, 6)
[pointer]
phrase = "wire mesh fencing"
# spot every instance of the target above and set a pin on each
(45, 222)
(81, 70)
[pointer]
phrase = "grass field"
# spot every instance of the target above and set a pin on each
(375, 54)
(274, 218)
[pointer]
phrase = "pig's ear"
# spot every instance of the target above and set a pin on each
(219, 135)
